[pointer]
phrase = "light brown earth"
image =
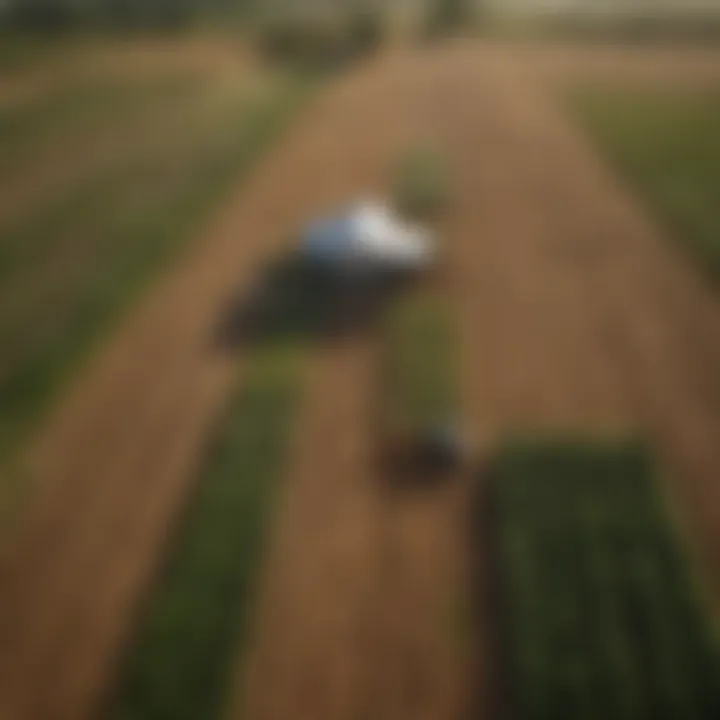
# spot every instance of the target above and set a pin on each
(574, 313)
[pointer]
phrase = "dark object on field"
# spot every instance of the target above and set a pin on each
(426, 456)
(442, 448)
(294, 298)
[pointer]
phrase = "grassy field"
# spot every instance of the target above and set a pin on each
(77, 111)
(667, 144)
(22, 53)
(603, 619)
(73, 258)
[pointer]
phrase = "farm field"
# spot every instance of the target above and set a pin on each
(570, 311)
(203, 607)
(599, 602)
(667, 145)
(101, 179)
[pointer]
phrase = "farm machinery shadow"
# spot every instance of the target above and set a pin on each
(295, 301)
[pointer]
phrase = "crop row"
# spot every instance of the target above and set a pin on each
(603, 617)
(417, 373)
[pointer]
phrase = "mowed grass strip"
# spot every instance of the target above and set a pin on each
(417, 365)
(95, 249)
(667, 143)
(199, 617)
(603, 618)
(73, 109)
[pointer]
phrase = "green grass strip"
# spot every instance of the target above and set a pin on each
(603, 617)
(199, 617)
(668, 146)
(418, 372)
(421, 189)
(76, 109)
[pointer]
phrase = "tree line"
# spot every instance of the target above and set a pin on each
(59, 15)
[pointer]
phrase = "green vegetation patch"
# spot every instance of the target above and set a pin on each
(199, 617)
(603, 620)
(309, 40)
(669, 146)
(73, 110)
(417, 370)
(421, 190)
(79, 264)
(449, 17)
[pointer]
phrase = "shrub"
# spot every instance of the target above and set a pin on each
(300, 42)
(364, 32)
(447, 17)
(421, 187)
(418, 371)
(319, 42)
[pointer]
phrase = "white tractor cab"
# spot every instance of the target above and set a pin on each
(355, 260)
(365, 240)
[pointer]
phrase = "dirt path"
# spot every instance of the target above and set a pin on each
(573, 312)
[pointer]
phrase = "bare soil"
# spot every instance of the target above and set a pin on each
(574, 314)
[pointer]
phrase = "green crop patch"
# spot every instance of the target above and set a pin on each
(76, 110)
(199, 615)
(667, 145)
(421, 189)
(417, 365)
(119, 227)
(602, 616)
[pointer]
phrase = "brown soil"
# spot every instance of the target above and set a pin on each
(666, 66)
(574, 313)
